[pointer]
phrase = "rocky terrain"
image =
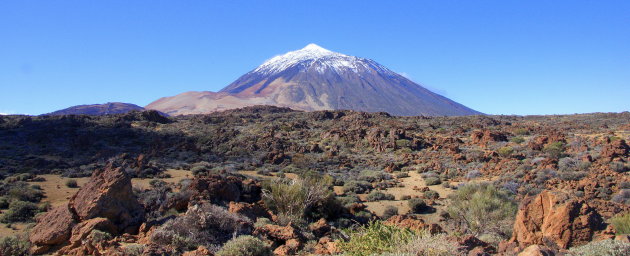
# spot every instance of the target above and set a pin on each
(275, 181)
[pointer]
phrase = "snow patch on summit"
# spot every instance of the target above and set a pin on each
(322, 60)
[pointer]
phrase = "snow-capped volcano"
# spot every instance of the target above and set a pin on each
(314, 78)
(314, 55)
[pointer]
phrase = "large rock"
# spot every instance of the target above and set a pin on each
(615, 149)
(108, 194)
(53, 228)
(553, 217)
(414, 223)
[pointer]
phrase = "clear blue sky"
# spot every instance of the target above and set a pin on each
(498, 57)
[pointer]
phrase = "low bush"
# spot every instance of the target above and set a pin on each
(481, 208)
(71, 183)
(293, 198)
(375, 239)
(390, 211)
(244, 245)
(621, 224)
(430, 194)
(554, 150)
(505, 151)
(623, 197)
(378, 196)
(417, 205)
(208, 225)
(619, 167)
(517, 140)
(19, 211)
(13, 245)
(425, 244)
(603, 247)
(430, 181)
(358, 187)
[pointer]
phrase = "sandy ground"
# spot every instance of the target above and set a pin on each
(408, 183)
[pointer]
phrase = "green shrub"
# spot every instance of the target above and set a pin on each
(517, 140)
(621, 224)
(402, 175)
(22, 191)
(244, 245)
(4, 202)
(425, 244)
(293, 198)
(378, 196)
(554, 150)
(19, 211)
(505, 151)
(430, 194)
(358, 187)
(71, 183)
(376, 238)
(12, 245)
(432, 180)
(346, 201)
(521, 131)
(417, 205)
(481, 208)
(603, 248)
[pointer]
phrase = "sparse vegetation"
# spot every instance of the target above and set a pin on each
(603, 247)
(622, 224)
(481, 208)
(244, 245)
(71, 183)
(375, 239)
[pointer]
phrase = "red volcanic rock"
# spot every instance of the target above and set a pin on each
(277, 233)
(486, 136)
(326, 246)
(53, 228)
(536, 250)
(81, 231)
(413, 223)
(289, 248)
(320, 228)
(251, 211)
(615, 149)
(555, 217)
(108, 194)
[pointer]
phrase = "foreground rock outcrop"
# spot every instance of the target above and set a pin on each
(106, 202)
(555, 219)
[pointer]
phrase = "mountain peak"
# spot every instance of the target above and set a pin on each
(314, 47)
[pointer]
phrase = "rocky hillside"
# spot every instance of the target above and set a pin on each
(314, 78)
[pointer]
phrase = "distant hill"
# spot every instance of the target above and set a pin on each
(99, 109)
(314, 78)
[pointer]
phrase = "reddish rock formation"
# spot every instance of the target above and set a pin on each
(536, 250)
(486, 136)
(414, 223)
(106, 202)
(556, 218)
(108, 194)
(53, 228)
(326, 246)
(615, 149)
(252, 211)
